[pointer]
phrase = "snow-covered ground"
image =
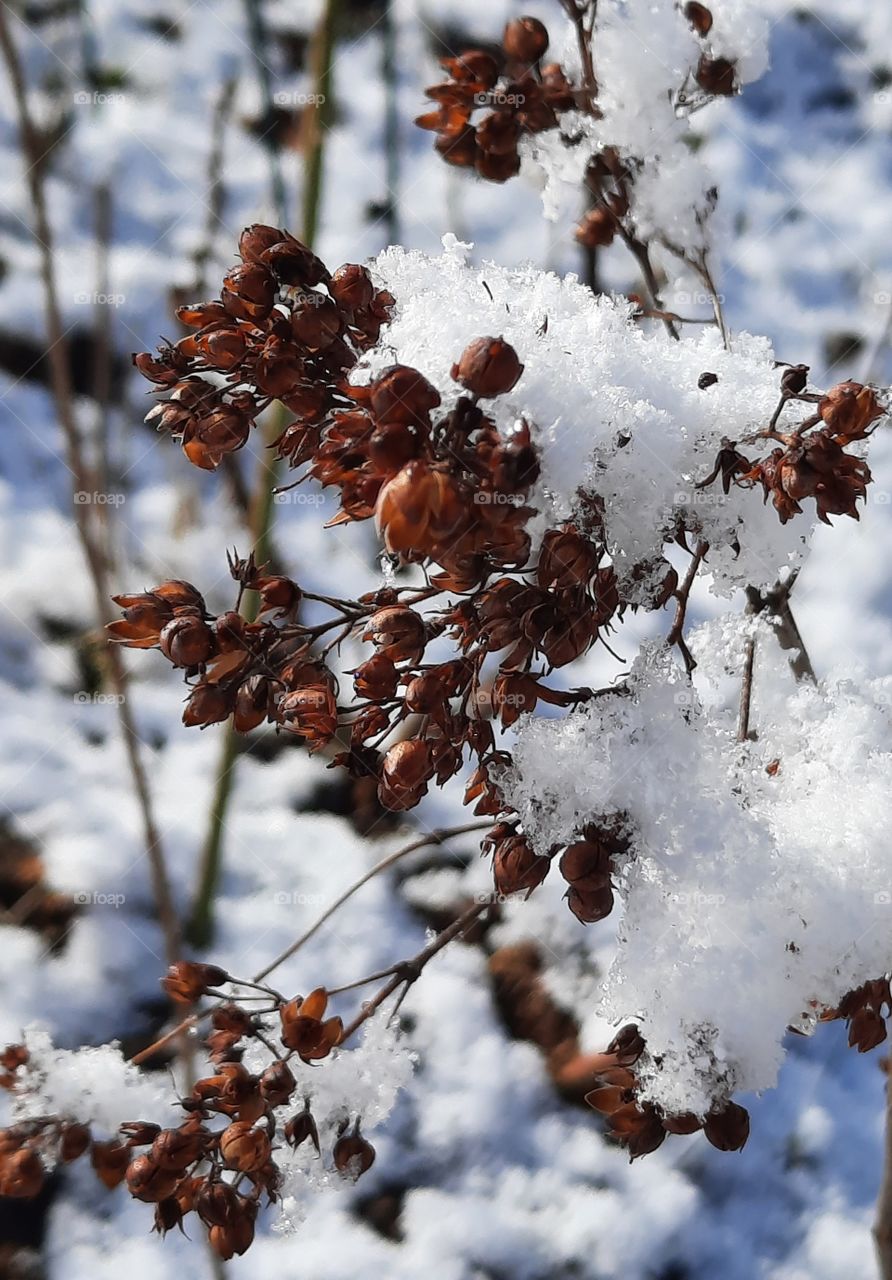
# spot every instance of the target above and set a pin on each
(497, 1177)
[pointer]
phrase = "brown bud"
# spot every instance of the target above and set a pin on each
(353, 1154)
(597, 228)
(402, 394)
(110, 1160)
(147, 1181)
(74, 1139)
(168, 1214)
(488, 367)
(237, 1235)
(176, 1149)
(186, 641)
(716, 76)
(186, 981)
(293, 263)
(316, 321)
(525, 40)
(699, 17)
(351, 287)
(405, 772)
(21, 1175)
(301, 1127)
(207, 705)
(398, 632)
(305, 1029)
(376, 679)
(516, 868)
(728, 1128)
(849, 409)
(249, 291)
(216, 1203)
(256, 239)
(586, 864)
(243, 1147)
(139, 1133)
(277, 1084)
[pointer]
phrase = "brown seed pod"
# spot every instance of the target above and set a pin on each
(525, 40)
(186, 981)
(353, 1154)
(21, 1174)
(146, 1180)
(186, 641)
(243, 1147)
(488, 367)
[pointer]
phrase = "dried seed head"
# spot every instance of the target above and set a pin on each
(353, 1154)
(244, 1148)
(146, 1180)
(21, 1174)
(187, 981)
(699, 17)
(525, 40)
(488, 367)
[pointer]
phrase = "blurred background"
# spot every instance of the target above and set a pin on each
(156, 129)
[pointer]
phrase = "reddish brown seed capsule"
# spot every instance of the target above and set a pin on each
(147, 1181)
(243, 1147)
(74, 1139)
(699, 17)
(488, 367)
(186, 641)
(525, 40)
(21, 1174)
(186, 981)
(353, 1154)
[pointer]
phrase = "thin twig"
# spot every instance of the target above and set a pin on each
(58, 356)
(433, 837)
(682, 596)
(439, 836)
(746, 691)
(410, 971)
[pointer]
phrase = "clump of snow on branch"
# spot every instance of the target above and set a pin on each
(95, 1085)
(756, 891)
(615, 410)
(645, 62)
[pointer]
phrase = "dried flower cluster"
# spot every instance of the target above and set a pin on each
(487, 105)
(273, 334)
(813, 462)
(220, 1161)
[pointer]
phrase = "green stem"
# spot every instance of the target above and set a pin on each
(200, 930)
